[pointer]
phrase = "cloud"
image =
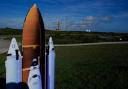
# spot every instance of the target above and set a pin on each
(89, 22)
(97, 19)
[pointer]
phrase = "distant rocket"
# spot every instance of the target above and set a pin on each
(13, 64)
(32, 41)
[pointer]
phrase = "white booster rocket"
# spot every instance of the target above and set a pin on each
(13, 64)
(50, 65)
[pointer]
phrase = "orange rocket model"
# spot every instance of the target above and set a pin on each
(32, 41)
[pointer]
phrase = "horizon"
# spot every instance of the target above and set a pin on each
(74, 15)
(20, 29)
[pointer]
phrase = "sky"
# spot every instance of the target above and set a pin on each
(73, 15)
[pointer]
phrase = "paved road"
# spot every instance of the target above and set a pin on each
(100, 43)
(4, 44)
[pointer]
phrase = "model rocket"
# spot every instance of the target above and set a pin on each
(34, 67)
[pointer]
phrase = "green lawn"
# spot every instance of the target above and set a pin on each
(89, 67)
(92, 67)
(2, 65)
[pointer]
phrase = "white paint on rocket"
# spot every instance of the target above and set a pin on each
(13, 63)
(34, 78)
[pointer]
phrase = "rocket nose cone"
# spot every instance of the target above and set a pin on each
(50, 43)
(13, 47)
(34, 5)
(13, 41)
(50, 40)
(32, 27)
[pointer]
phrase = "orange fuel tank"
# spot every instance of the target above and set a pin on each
(32, 40)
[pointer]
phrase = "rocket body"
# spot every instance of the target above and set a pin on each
(50, 65)
(11, 70)
(13, 64)
(19, 63)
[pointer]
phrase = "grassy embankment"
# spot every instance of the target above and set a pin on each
(2, 65)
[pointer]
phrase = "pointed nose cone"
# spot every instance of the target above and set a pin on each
(13, 47)
(50, 40)
(51, 46)
(34, 5)
(32, 27)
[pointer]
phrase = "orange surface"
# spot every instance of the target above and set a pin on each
(25, 76)
(29, 54)
(31, 29)
(32, 38)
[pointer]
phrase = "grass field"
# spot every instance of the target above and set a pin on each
(2, 65)
(92, 67)
(89, 67)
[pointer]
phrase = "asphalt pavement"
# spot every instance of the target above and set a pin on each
(4, 44)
